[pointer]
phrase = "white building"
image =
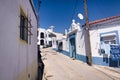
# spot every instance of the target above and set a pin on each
(48, 38)
(73, 42)
(104, 39)
(18, 40)
(41, 37)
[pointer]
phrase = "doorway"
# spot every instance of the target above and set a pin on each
(73, 48)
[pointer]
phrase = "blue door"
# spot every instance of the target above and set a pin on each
(73, 47)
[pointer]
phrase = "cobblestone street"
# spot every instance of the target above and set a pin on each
(61, 67)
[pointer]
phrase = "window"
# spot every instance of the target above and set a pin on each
(109, 39)
(41, 42)
(23, 27)
(42, 35)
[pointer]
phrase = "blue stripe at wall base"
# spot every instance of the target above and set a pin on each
(81, 57)
(78, 56)
(95, 60)
(54, 49)
(65, 53)
(62, 51)
(104, 62)
(99, 61)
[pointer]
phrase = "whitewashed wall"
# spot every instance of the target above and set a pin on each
(38, 41)
(58, 37)
(16, 56)
(80, 46)
(95, 32)
(80, 43)
(95, 35)
(65, 45)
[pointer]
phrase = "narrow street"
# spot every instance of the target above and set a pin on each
(61, 67)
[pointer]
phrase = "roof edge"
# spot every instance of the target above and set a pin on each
(104, 19)
(33, 8)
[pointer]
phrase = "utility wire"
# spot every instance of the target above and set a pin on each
(74, 10)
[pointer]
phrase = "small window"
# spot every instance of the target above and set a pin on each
(109, 39)
(23, 27)
(106, 42)
(42, 35)
(41, 42)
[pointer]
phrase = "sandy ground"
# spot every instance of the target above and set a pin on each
(61, 67)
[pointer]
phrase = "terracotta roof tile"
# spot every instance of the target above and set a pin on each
(104, 19)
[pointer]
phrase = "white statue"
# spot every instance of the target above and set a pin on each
(73, 25)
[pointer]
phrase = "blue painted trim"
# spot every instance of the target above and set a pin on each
(99, 61)
(54, 49)
(69, 47)
(116, 32)
(78, 56)
(70, 37)
(65, 53)
(81, 57)
(96, 60)
(72, 34)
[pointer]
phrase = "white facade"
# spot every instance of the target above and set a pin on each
(18, 58)
(41, 37)
(105, 31)
(74, 42)
(50, 38)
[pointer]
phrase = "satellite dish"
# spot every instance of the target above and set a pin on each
(80, 16)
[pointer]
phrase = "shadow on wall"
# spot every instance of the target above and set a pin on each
(86, 46)
(40, 65)
(60, 46)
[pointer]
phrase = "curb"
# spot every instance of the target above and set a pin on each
(115, 75)
(113, 70)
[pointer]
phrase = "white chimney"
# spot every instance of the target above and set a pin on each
(65, 31)
(51, 28)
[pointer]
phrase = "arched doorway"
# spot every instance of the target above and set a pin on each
(41, 42)
(60, 46)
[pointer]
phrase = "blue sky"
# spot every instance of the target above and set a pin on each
(59, 13)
